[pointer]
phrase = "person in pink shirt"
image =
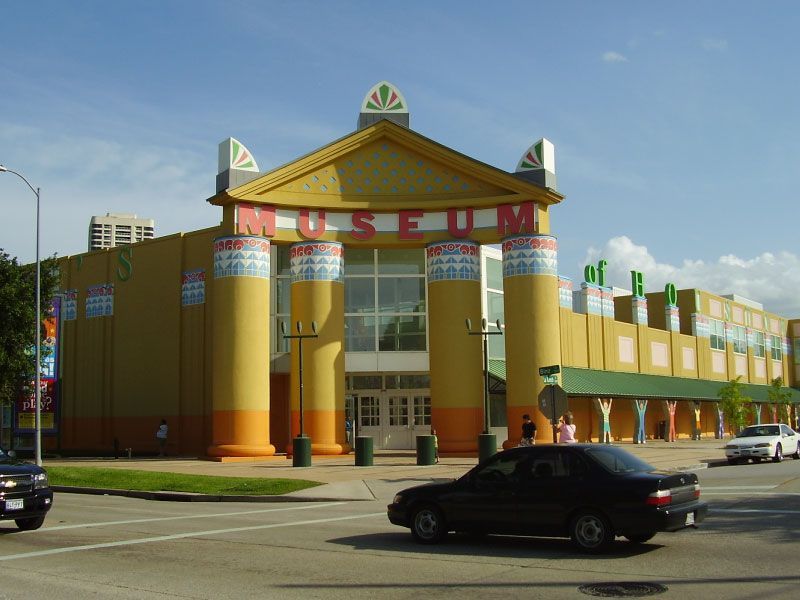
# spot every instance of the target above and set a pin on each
(566, 429)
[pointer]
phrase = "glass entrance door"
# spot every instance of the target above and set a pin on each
(395, 418)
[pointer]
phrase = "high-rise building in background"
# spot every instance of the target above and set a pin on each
(119, 229)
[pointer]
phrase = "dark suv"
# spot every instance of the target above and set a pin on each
(25, 494)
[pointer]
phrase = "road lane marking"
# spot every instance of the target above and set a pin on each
(178, 536)
(755, 510)
(737, 487)
(183, 517)
(743, 493)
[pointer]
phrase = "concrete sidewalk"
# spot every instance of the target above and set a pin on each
(342, 480)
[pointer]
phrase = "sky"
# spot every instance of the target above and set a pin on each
(676, 125)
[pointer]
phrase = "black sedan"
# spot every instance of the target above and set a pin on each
(590, 493)
(25, 494)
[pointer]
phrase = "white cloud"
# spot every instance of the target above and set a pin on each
(613, 57)
(714, 44)
(772, 279)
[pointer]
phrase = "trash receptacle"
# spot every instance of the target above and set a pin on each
(301, 451)
(662, 430)
(426, 450)
(364, 451)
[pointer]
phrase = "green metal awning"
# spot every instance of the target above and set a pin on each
(616, 384)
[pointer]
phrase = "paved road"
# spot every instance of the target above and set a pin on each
(103, 546)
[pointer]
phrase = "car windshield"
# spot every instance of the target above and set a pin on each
(617, 460)
(759, 430)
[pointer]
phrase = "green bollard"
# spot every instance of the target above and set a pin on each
(487, 446)
(426, 450)
(301, 451)
(364, 451)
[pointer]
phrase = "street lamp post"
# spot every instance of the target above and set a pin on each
(301, 445)
(38, 374)
(487, 441)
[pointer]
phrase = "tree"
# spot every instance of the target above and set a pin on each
(734, 403)
(18, 319)
(780, 396)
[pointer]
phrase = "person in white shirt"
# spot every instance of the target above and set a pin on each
(161, 436)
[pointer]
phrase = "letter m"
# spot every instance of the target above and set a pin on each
(510, 221)
(255, 220)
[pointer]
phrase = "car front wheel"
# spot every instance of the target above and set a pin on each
(29, 524)
(778, 454)
(427, 525)
(591, 532)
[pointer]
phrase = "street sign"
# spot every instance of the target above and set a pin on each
(550, 379)
(553, 402)
(551, 370)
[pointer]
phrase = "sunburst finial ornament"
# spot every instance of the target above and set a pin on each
(383, 101)
(236, 165)
(538, 164)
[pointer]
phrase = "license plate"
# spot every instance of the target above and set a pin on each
(15, 504)
(690, 518)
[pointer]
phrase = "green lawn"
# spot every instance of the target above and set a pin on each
(150, 481)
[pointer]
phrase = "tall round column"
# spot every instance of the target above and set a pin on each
(532, 334)
(318, 295)
(454, 294)
(240, 351)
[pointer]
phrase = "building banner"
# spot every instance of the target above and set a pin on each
(25, 408)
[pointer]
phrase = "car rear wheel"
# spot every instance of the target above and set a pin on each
(639, 539)
(796, 454)
(778, 454)
(29, 524)
(427, 525)
(591, 532)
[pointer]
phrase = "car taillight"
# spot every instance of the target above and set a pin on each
(660, 498)
(696, 490)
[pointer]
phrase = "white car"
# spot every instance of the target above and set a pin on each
(770, 440)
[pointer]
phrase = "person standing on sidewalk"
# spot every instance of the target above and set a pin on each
(566, 429)
(161, 436)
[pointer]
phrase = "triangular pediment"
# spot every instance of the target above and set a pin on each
(384, 167)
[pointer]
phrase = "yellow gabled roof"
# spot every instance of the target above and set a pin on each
(386, 167)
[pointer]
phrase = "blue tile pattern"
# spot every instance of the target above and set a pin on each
(453, 261)
(241, 256)
(193, 287)
(70, 308)
(530, 255)
(317, 261)
(100, 301)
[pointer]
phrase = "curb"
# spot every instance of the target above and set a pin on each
(190, 497)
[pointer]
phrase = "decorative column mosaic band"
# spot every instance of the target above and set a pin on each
(317, 261)
(70, 310)
(607, 301)
(193, 287)
(672, 313)
(241, 256)
(449, 261)
(700, 326)
(530, 255)
(591, 299)
(565, 292)
(639, 310)
(100, 301)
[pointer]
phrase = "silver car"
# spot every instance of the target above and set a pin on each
(770, 440)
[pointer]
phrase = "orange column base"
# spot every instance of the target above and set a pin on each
(244, 450)
(325, 428)
(457, 429)
(241, 433)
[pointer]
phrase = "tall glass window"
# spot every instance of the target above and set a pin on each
(776, 350)
(280, 292)
(716, 330)
(739, 339)
(759, 345)
(385, 300)
(495, 308)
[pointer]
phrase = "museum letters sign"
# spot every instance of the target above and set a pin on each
(403, 225)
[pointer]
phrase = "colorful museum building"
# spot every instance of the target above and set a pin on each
(381, 245)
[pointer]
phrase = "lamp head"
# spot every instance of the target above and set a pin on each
(483, 324)
(469, 324)
(499, 326)
(314, 326)
(299, 327)
(283, 327)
